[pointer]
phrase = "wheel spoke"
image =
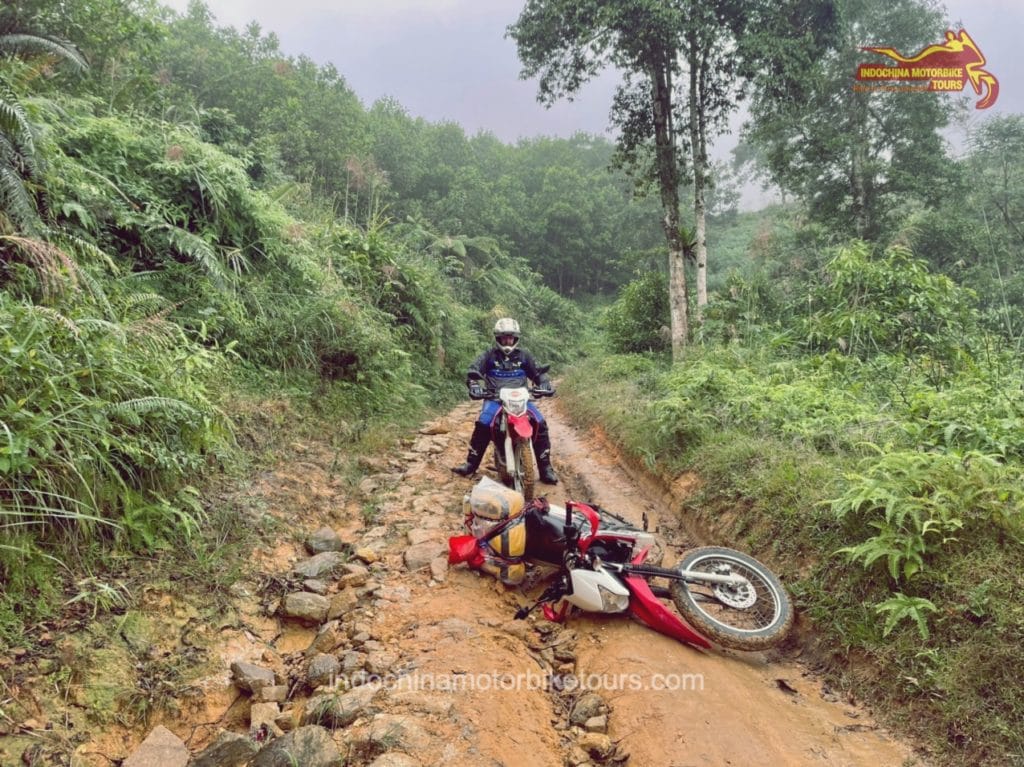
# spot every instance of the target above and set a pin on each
(719, 602)
(752, 615)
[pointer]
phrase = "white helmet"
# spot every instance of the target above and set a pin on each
(506, 334)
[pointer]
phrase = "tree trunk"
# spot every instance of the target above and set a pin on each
(858, 171)
(698, 150)
(668, 182)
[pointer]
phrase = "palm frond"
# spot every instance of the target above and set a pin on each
(54, 317)
(21, 43)
(146, 304)
(198, 250)
(114, 328)
(142, 405)
(13, 120)
(93, 286)
(15, 201)
(156, 332)
(52, 265)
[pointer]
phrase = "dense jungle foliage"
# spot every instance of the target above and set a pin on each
(192, 221)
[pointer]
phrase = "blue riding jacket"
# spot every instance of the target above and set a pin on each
(499, 370)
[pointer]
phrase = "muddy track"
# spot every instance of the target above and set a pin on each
(467, 685)
(749, 708)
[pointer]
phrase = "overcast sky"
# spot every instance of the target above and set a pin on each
(450, 59)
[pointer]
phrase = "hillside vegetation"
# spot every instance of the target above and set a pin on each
(170, 259)
(862, 427)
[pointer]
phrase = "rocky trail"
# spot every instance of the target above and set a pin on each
(358, 643)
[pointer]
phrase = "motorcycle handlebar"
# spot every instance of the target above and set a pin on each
(536, 393)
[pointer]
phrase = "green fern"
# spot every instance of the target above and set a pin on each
(143, 405)
(17, 142)
(56, 318)
(901, 607)
(198, 250)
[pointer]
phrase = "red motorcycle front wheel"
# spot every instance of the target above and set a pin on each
(755, 615)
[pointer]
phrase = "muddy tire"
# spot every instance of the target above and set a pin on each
(528, 478)
(504, 472)
(755, 616)
(504, 475)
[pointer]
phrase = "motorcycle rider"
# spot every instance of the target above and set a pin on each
(506, 364)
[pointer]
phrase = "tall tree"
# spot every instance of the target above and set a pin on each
(566, 42)
(711, 32)
(685, 66)
(853, 156)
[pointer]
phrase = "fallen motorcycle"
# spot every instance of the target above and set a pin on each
(724, 595)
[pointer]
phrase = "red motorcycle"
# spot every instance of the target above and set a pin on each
(724, 595)
(512, 436)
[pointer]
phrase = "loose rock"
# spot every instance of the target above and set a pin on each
(340, 710)
(250, 677)
(229, 750)
(588, 705)
(161, 748)
(395, 759)
(598, 745)
(420, 556)
(323, 668)
(306, 607)
(309, 746)
(319, 565)
(324, 539)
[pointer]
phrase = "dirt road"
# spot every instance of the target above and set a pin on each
(464, 684)
(742, 708)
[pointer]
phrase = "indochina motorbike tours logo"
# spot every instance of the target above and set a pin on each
(943, 68)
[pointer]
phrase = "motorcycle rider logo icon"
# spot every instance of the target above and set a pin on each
(943, 67)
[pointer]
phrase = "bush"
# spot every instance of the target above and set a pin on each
(636, 322)
(888, 304)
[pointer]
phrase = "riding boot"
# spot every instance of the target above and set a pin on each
(542, 447)
(477, 446)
